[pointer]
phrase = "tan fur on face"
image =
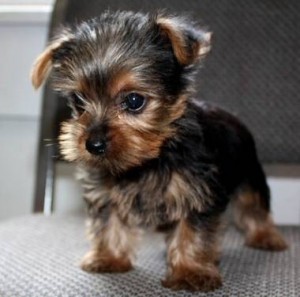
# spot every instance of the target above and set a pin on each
(141, 136)
(133, 138)
(72, 138)
(123, 81)
(69, 135)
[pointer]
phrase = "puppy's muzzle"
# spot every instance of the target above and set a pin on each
(96, 146)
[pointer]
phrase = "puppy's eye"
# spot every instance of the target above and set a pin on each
(77, 102)
(133, 102)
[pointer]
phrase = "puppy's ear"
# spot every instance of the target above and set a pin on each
(189, 43)
(44, 62)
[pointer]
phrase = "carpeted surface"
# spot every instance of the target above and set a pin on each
(39, 257)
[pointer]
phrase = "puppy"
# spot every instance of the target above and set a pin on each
(150, 156)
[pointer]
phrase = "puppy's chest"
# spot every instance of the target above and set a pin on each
(154, 199)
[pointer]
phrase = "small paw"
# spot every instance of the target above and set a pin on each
(96, 262)
(268, 239)
(194, 280)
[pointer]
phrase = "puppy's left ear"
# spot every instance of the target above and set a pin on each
(190, 44)
(44, 62)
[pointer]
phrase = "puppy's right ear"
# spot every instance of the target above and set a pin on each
(189, 42)
(44, 62)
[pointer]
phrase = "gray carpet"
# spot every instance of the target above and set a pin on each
(39, 257)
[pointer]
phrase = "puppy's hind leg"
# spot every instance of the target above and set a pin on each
(251, 209)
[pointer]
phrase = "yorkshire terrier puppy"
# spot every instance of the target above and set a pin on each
(150, 155)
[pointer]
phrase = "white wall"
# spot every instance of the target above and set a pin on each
(17, 159)
(26, 2)
(23, 36)
(284, 182)
(23, 33)
(285, 199)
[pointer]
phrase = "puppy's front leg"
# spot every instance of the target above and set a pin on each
(192, 256)
(112, 245)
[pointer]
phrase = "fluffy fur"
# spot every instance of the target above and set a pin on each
(172, 165)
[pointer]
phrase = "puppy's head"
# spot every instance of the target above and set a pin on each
(127, 77)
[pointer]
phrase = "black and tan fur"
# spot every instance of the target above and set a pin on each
(174, 165)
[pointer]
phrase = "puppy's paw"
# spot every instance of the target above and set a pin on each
(96, 262)
(266, 239)
(203, 280)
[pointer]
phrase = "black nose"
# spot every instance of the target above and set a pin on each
(96, 146)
